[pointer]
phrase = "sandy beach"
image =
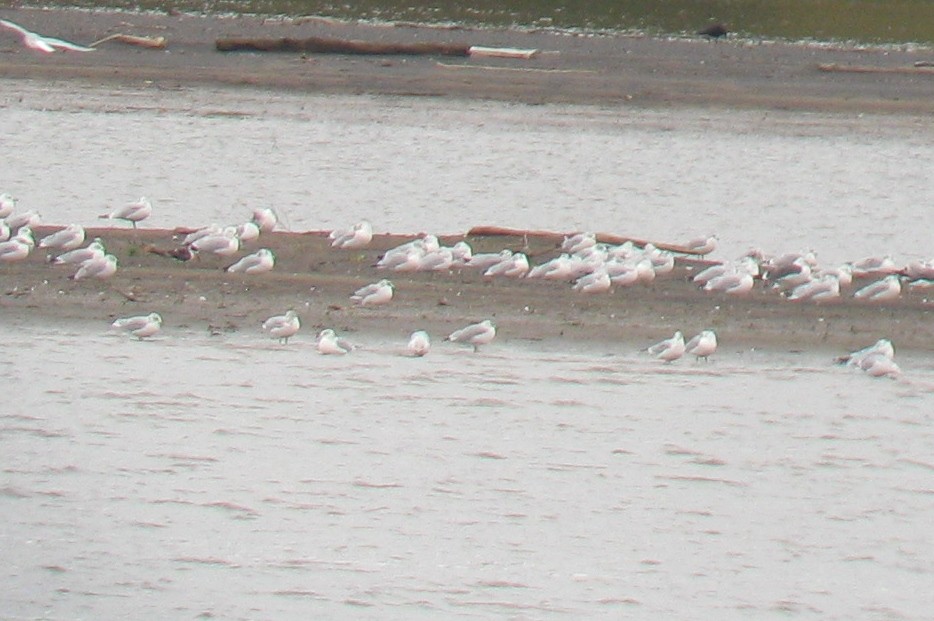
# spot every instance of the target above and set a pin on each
(317, 280)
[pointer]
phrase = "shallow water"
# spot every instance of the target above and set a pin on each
(844, 186)
(230, 477)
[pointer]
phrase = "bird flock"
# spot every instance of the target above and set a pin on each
(586, 264)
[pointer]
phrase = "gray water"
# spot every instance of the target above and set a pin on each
(229, 477)
(845, 186)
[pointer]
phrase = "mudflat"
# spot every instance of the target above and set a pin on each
(317, 281)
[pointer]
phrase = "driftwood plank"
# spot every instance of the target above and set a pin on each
(324, 45)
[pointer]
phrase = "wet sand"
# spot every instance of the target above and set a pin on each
(317, 281)
(604, 70)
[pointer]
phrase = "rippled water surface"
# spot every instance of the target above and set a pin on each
(844, 186)
(233, 478)
(229, 477)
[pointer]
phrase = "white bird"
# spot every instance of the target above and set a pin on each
(64, 239)
(247, 232)
(224, 244)
(330, 343)
(874, 266)
(889, 288)
(358, 236)
(283, 327)
(133, 212)
(702, 246)
(99, 267)
(516, 266)
(30, 217)
(41, 43)
(204, 231)
(7, 204)
(486, 260)
(920, 270)
(624, 273)
(462, 253)
(827, 287)
(80, 255)
(732, 284)
(882, 347)
(558, 268)
(703, 345)
(419, 344)
(595, 282)
(578, 242)
(475, 334)
(878, 365)
(4, 231)
(141, 326)
(669, 350)
(374, 295)
(439, 260)
(261, 261)
(265, 219)
(15, 249)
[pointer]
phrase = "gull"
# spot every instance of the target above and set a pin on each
(746, 264)
(419, 344)
(874, 266)
(462, 253)
(703, 345)
(798, 273)
(844, 274)
(702, 246)
(40, 43)
(141, 326)
(882, 347)
(7, 204)
(732, 284)
(4, 231)
(516, 266)
(15, 249)
(265, 219)
(329, 343)
(205, 231)
(98, 267)
(826, 287)
(623, 273)
(224, 243)
(282, 326)
(645, 271)
(247, 232)
(920, 270)
(575, 243)
(439, 260)
(475, 334)
(263, 260)
(65, 239)
(626, 250)
(662, 261)
(374, 295)
(595, 282)
(80, 255)
(358, 236)
(668, 350)
(889, 288)
(133, 212)
(409, 253)
(878, 365)
(27, 218)
(558, 268)
(486, 260)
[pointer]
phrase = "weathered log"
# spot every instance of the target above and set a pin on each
(157, 43)
(323, 45)
(915, 70)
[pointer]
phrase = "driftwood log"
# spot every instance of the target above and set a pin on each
(323, 45)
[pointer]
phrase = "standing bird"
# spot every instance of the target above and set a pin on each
(669, 350)
(331, 344)
(419, 344)
(265, 219)
(7, 204)
(141, 326)
(283, 327)
(263, 260)
(40, 43)
(374, 295)
(703, 345)
(475, 334)
(702, 246)
(132, 213)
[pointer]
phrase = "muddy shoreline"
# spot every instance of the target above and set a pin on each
(198, 296)
(616, 70)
